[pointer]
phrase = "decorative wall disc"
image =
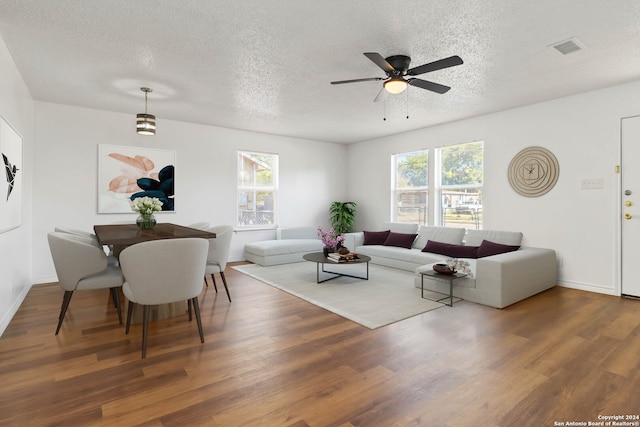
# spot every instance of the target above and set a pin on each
(533, 171)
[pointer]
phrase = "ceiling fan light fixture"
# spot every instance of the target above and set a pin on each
(145, 123)
(395, 85)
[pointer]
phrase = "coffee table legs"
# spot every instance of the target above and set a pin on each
(338, 274)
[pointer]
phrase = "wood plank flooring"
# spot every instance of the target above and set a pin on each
(271, 359)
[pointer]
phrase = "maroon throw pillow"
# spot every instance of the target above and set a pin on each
(488, 248)
(448, 249)
(375, 237)
(401, 240)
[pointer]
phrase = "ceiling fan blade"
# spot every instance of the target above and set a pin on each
(357, 80)
(380, 61)
(424, 84)
(435, 65)
(382, 95)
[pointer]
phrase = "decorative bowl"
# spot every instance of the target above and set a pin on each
(443, 269)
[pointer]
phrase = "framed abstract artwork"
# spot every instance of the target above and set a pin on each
(11, 188)
(129, 172)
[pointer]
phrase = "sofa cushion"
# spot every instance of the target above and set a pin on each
(401, 227)
(454, 251)
(380, 254)
(475, 237)
(439, 234)
(488, 248)
(281, 247)
(375, 237)
(401, 240)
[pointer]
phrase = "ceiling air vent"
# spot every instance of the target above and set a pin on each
(568, 46)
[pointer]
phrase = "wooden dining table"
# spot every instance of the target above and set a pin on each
(120, 236)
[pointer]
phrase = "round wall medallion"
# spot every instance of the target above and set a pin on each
(533, 171)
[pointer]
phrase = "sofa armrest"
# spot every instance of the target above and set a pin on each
(353, 240)
(510, 277)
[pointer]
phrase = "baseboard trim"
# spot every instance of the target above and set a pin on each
(6, 319)
(587, 287)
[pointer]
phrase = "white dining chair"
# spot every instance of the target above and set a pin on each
(110, 257)
(219, 254)
(81, 265)
(160, 272)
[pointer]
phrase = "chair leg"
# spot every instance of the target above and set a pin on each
(129, 312)
(63, 308)
(205, 281)
(196, 308)
(213, 278)
(115, 294)
(224, 282)
(189, 309)
(145, 329)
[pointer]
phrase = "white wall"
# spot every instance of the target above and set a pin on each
(582, 131)
(16, 107)
(66, 164)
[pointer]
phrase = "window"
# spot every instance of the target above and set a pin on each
(410, 190)
(460, 185)
(257, 189)
(457, 177)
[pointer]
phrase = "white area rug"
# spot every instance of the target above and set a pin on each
(388, 296)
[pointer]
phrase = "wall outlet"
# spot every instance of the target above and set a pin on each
(592, 184)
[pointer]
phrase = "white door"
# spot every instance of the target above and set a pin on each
(630, 238)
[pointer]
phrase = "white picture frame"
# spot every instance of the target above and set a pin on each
(121, 167)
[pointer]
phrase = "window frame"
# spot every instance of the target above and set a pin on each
(241, 188)
(423, 213)
(434, 206)
(477, 216)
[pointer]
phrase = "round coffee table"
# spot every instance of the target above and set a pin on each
(319, 258)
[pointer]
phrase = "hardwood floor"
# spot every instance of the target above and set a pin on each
(271, 359)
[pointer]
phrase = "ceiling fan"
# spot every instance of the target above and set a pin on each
(397, 68)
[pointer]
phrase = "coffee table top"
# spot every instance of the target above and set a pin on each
(320, 258)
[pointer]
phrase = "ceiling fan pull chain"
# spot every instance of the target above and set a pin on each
(384, 110)
(407, 103)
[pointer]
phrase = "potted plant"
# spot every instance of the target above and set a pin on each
(343, 215)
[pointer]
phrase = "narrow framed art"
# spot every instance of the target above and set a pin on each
(126, 172)
(11, 190)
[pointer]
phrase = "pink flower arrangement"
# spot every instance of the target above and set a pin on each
(329, 238)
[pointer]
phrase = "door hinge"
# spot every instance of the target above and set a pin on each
(617, 168)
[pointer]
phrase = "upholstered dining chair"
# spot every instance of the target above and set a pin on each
(110, 257)
(200, 225)
(160, 272)
(219, 255)
(81, 265)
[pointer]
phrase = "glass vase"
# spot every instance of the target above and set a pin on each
(146, 222)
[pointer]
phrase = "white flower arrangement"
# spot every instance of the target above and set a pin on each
(146, 206)
(460, 266)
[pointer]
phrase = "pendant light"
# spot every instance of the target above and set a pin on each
(146, 123)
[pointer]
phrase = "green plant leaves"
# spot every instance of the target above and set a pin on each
(342, 216)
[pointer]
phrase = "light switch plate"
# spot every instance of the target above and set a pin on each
(592, 183)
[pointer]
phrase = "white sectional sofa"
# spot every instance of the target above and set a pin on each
(289, 246)
(496, 280)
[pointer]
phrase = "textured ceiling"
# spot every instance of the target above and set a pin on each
(266, 66)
